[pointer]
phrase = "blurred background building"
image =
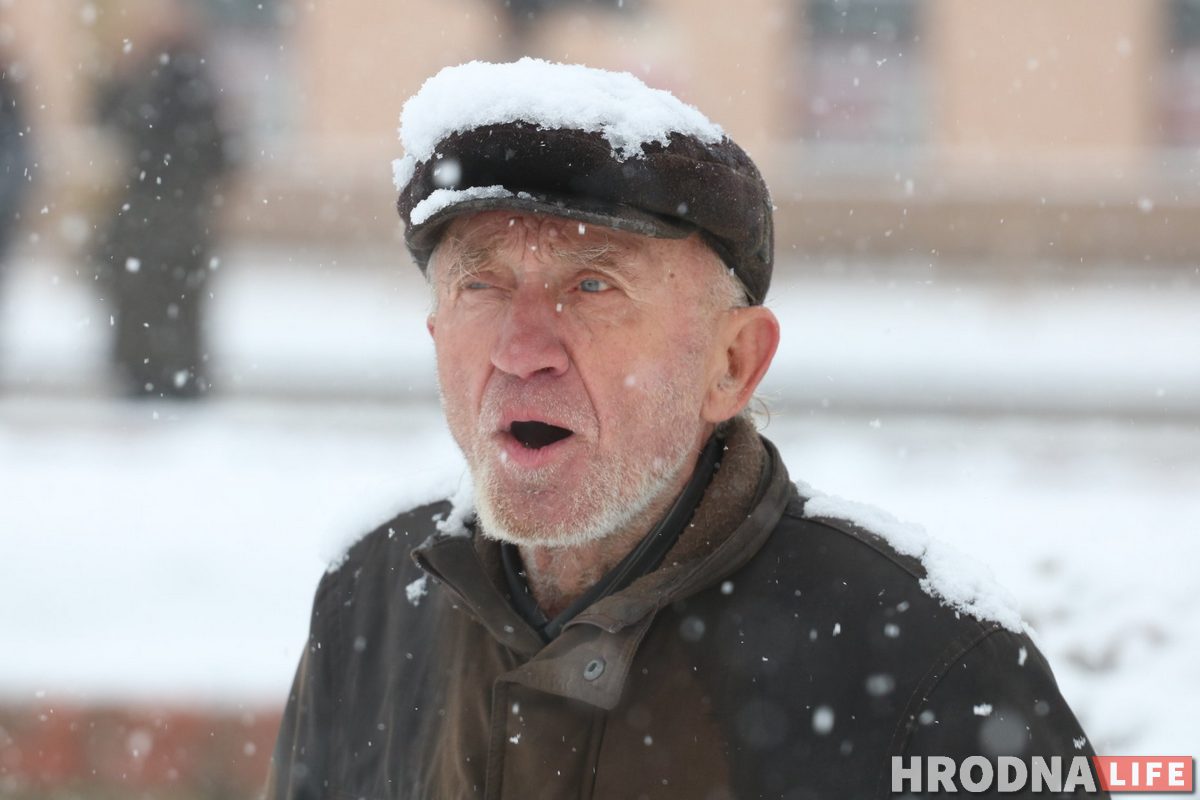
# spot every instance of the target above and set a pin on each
(1060, 132)
(988, 236)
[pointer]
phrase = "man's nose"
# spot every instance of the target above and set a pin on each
(530, 338)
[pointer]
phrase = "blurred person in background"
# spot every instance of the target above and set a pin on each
(14, 155)
(154, 252)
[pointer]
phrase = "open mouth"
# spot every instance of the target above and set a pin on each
(535, 435)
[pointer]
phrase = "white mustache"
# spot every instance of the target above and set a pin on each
(549, 400)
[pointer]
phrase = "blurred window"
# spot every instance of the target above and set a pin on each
(862, 73)
(1181, 85)
(260, 14)
(524, 13)
(251, 62)
(537, 6)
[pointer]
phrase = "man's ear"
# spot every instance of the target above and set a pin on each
(745, 345)
(429, 323)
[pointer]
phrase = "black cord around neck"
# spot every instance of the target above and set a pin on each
(642, 560)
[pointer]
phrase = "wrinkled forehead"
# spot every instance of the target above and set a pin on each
(492, 233)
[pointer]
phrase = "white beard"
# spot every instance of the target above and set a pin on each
(600, 510)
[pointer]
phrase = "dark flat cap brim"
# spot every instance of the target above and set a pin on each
(583, 210)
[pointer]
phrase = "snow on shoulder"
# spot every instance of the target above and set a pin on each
(428, 489)
(625, 111)
(953, 578)
(462, 509)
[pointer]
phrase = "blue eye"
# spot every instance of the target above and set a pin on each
(478, 285)
(593, 285)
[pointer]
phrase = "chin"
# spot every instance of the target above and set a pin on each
(526, 527)
(538, 521)
(558, 510)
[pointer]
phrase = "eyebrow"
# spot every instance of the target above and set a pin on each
(465, 260)
(607, 255)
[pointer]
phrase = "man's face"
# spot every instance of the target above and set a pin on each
(572, 361)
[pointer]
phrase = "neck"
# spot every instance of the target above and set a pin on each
(558, 576)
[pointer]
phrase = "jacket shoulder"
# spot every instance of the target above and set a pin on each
(869, 540)
(872, 606)
(375, 584)
(378, 561)
(983, 685)
(395, 537)
(369, 615)
(848, 625)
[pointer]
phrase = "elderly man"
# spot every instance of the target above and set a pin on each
(638, 602)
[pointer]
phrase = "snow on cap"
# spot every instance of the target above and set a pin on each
(625, 111)
(582, 143)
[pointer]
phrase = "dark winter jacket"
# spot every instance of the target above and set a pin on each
(771, 655)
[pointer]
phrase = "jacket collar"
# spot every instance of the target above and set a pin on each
(452, 560)
(743, 502)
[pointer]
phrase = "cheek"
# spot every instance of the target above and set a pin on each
(661, 372)
(463, 364)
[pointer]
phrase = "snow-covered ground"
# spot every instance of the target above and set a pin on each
(155, 551)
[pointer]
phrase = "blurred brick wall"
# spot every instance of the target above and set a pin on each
(57, 750)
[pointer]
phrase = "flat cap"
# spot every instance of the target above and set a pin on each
(581, 143)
